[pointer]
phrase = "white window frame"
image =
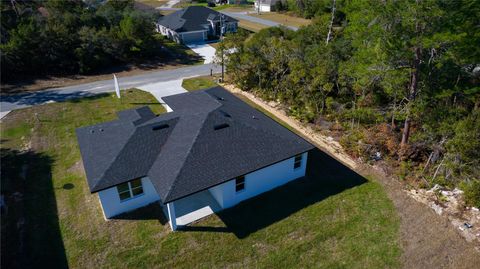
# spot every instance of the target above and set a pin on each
(130, 190)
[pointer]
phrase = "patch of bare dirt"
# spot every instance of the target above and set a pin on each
(428, 240)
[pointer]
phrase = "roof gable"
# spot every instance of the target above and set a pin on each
(212, 137)
(192, 18)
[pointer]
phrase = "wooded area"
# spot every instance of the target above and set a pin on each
(397, 79)
(69, 37)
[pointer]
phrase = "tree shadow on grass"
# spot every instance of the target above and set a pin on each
(41, 97)
(325, 177)
(30, 232)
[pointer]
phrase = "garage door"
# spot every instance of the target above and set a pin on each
(192, 37)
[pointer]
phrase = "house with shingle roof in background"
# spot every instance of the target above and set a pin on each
(210, 153)
(195, 24)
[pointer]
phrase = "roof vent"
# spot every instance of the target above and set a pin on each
(221, 126)
(159, 127)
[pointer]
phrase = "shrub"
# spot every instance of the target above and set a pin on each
(352, 142)
(471, 191)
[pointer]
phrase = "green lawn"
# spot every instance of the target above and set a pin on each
(199, 83)
(181, 54)
(333, 218)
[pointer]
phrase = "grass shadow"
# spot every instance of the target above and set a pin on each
(325, 177)
(30, 233)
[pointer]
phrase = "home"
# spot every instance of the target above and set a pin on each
(266, 5)
(196, 24)
(210, 153)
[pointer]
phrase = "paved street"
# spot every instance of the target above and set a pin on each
(17, 101)
(156, 79)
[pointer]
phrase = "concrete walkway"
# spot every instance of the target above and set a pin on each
(204, 50)
(195, 207)
(244, 16)
(162, 89)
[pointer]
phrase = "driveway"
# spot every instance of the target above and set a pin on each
(204, 50)
(17, 101)
(162, 89)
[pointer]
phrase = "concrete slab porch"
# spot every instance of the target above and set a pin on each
(194, 207)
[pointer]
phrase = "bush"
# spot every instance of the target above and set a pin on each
(471, 192)
(352, 143)
(363, 115)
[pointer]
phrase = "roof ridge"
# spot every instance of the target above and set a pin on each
(189, 151)
(117, 156)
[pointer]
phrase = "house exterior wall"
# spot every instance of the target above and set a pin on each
(194, 36)
(259, 181)
(168, 33)
(264, 7)
(112, 206)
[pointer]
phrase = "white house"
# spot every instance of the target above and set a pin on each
(266, 5)
(195, 24)
(212, 152)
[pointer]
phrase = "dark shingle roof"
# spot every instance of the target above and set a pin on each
(210, 137)
(191, 19)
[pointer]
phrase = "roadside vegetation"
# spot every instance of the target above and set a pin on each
(332, 218)
(70, 37)
(395, 82)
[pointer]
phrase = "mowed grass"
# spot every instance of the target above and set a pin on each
(282, 18)
(251, 26)
(333, 218)
(199, 83)
(153, 3)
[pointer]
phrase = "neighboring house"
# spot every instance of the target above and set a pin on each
(266, 5)
(195, 24)
(212, 152)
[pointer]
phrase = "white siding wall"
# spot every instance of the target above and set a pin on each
(112, 205)
(263, 7)
(258, 182)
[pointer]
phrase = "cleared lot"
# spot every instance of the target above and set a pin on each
(332, 218)
(283, 19)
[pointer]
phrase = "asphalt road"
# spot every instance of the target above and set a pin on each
(17, 101)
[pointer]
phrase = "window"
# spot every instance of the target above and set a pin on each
(298, 162)
(130, 189)
(240, 184)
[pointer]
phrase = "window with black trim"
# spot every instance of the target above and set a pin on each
(240, 183)
(298, 162)
(130, 189)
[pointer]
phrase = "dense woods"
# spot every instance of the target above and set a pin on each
(45, 37)
(396, 79)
